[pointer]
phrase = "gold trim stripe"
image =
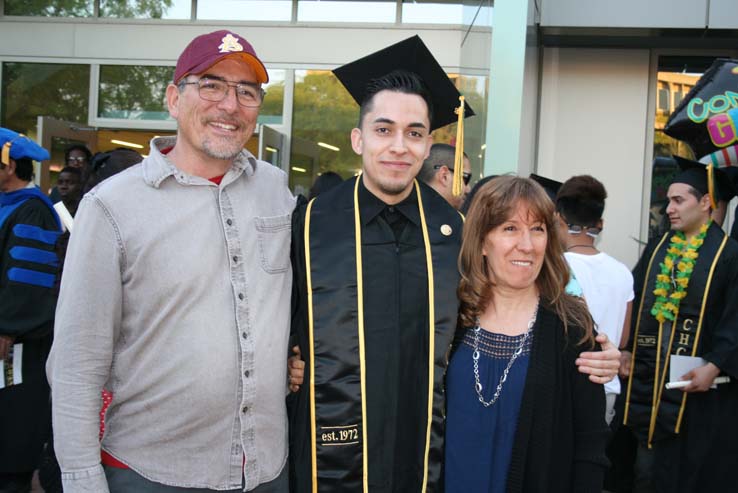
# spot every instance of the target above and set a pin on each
(308, 271)
(699, 324)
(431, 334)
(360, 316)
(638, 326)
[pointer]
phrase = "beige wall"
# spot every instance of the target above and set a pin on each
(594, 120)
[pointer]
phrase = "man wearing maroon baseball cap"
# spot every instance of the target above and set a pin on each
(175, 299)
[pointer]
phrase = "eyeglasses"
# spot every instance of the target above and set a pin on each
(249, 95)
(467, 176)
(591, 231)
(76, 160)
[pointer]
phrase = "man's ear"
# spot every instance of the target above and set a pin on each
(705, 205)
(357, 142)
(600, 224)
(11, 167)
(173, 100)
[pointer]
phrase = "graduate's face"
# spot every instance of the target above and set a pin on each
(686, 213)
(514, 250)
(213, 129)
(393, 141)
(68, 185)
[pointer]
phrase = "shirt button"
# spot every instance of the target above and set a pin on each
(244, 335)
(235, 259)
(392, 209)
(240, 296)
(229, 222)
(246, 374)
(244, 409)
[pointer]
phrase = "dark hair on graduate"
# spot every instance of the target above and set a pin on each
(397, 81)
(581, 200)
(324, 182)
(77, 147)
(24, 168)
(495, 203)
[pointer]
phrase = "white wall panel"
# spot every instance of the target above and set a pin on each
(593, 120)
(723, 14)
(625, 13)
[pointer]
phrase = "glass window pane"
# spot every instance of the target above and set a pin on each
(432, 12)
(346, 11)
(249, 10)
(271, 109)
(146, 9)
(50, 8)
(324, 114)
(134, 92)
(33, 89)
(668, 81)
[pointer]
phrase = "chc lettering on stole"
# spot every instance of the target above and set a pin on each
(686, 336)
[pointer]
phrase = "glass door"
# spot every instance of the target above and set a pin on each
(55, 136)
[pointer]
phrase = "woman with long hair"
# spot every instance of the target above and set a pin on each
(520, 417)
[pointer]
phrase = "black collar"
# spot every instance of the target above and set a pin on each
(371, 206)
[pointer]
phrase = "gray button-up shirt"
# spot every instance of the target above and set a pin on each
(176, 298)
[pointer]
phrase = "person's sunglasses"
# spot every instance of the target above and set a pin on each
(467, 176)
(592, 231)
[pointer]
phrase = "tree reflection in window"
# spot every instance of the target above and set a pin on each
(134, 92)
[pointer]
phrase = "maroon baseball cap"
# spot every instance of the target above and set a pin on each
(208, 49)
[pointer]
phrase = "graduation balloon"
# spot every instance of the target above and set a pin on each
(707, 118)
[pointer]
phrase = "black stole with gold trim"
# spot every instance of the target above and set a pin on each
(334, 459)
(652, 411)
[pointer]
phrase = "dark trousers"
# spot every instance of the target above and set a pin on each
(128, 481)
(16, 482)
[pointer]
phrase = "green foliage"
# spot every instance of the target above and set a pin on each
(154, 9)
(33, 89)
(126, 89)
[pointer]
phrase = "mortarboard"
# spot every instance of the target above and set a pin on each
(706, 179)
(550, 186)
(18, 146)
(412, 55)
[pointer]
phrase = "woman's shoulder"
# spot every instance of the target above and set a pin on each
(569, 334)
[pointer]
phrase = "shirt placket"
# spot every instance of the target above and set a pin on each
(243, 451)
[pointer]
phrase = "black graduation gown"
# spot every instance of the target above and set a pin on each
(28, 231)
(402, 382)
(698, 450)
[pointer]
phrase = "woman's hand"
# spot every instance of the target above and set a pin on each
(601, 366)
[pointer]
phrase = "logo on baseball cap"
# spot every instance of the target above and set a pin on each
(208, 49)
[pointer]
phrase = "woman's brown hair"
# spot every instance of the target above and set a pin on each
(494, 204)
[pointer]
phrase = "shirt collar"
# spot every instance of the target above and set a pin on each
(157, 167)
(371, 205)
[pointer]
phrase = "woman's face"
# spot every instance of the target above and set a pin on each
(514, 250)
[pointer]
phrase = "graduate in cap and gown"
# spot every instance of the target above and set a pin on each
(686, 303)
(29, 228)
(374, 293)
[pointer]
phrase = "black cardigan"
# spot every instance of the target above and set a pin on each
(561, 433)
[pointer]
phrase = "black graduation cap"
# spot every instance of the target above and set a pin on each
(550, 186)
(705, 178)
(410, 55)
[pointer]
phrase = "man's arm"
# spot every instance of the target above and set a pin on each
(87, 321)
(601, 366)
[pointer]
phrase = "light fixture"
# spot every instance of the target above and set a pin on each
(270, 149)
(484, 146)
(127, 144)
(299, 170)
(328, 146)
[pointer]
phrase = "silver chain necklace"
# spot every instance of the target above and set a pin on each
(518, 351)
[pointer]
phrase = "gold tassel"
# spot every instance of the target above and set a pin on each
(711, 185)
(6, 153)
(458, 184)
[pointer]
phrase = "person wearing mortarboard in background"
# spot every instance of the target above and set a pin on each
(552, 188)
(374, 300)
(686, 303)
(28, 230)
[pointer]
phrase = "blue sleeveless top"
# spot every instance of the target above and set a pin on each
(479, 439)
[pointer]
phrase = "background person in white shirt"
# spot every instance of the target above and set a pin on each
(607, 284)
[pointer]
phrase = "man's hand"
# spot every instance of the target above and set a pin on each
(6, 342)
(295, 369)
(601, 366)
(625, 357)
(701, 377)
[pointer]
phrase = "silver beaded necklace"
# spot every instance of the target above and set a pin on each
(518, 351)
